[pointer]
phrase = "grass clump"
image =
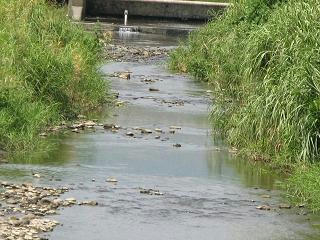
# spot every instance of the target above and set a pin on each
(49, 71)
(304, 186)
(262, 59)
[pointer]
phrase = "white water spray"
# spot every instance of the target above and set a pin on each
(126, 17)
(125, 31)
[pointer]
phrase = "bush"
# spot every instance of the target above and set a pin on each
(49, 70)
(304, 186)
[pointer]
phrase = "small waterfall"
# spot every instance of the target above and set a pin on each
(126, 17)
(125, 28)
(125, 31)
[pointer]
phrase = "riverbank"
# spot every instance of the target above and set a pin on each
(49, 72)
(261, 60)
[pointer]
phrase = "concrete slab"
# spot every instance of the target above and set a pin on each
(77, 9)
(155, 8)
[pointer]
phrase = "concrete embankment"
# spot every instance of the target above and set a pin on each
(152, 27)
(147, 8)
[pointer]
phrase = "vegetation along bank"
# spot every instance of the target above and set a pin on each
(262, 59)
(49, 71)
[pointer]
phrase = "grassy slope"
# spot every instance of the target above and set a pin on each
(262, 58)
(48, 71)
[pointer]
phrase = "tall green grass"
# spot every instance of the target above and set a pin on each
(304, 186)
(49, 71)
(262, 59)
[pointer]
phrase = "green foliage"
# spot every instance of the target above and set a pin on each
(265, 73)
(304, 187)
(49, 70)
(262, 59)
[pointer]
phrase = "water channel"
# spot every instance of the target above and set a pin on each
(208, 193)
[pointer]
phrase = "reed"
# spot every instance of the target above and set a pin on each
(49, 71)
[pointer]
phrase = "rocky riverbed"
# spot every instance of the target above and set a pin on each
(24, 210)
(27, 211)
(121, 53)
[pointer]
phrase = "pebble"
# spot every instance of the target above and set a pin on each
(112, 180)
(24, 217)
(158, 130)
(175, 127)
(154, 89)
(146, 131)
(120, 103)
(71, 200)
(165, 139)
(111, 126)
(173, 102)
(124, 75)
(150, 192)
(233, 150)
(284, 206)
(265, 196)
(264, 207)
(177, 145)
(90, 203)
(148, 81)
(89, 124)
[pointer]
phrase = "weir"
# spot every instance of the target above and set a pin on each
(169, 9)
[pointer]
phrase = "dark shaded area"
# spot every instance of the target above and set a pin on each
(59, 2)
(159, 10)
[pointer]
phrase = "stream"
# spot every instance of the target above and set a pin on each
(201, 190)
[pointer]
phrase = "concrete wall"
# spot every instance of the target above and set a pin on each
(77, 9)
(153, 8)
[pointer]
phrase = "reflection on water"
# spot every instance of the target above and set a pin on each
(251, 175)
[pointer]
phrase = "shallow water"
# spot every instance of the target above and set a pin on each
(208, 193)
